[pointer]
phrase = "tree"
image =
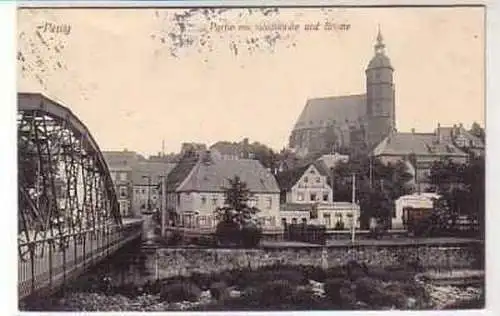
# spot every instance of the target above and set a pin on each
(477, 131)
(462, 187)
(236, 217)
(378, 185)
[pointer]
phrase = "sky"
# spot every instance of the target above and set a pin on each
(137, 77)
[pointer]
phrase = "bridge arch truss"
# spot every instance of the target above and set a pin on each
(67, 205)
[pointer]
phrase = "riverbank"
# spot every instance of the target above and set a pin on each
(352, 287)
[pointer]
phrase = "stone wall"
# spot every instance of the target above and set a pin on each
(170, 262)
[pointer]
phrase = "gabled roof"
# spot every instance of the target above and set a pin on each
(180, 172)
(212, 176)
(320, 112)
(289, 178)
(416, 143)
(153, 169)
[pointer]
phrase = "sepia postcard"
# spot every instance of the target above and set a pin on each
(250, 158)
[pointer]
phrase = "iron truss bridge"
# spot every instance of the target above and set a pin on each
(68, 213)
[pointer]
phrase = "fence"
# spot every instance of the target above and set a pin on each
(314, 234)
(45, 264)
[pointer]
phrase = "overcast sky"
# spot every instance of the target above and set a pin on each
(126, 78)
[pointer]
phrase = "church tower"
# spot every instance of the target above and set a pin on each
(380, 112)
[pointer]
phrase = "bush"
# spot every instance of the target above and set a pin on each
(227, 233)
(175, 239)
(219, 290)
(179, 292)
(304, 299)
(275, 293)
(337, 291)
(202, 280)
(250, 236)
(374, 293)
(313, 273)
(356, 270)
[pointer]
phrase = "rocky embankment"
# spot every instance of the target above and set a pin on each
(444, 296)
(440, 297)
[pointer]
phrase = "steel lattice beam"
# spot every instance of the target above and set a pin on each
(64, 183)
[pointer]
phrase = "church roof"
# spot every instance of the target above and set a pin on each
(421, 144)
(319, 112)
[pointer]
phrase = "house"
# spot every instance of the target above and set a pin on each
(422, 201)
(147, 178)
(232, 150)
(121, 165)
(462, 139)
(306, 197)
(196, 187)
(187, 148)
(420, 149)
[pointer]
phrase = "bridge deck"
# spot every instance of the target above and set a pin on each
(46, 265)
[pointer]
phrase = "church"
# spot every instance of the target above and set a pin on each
(358, 122)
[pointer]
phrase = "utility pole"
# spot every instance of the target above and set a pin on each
(163, 184)
(332, 181)
(353, 221)
(148, 210)
(371, 171)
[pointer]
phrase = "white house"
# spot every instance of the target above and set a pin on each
(416, 201)
(306, 197)
(196, 187)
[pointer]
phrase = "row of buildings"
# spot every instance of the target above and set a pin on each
(187, 193)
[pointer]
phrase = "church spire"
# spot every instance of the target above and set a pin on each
(379, 47)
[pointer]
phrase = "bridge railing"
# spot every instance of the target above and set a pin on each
(49, 263)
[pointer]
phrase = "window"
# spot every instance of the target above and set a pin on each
(283, 222)
(123, 176)
(304, 220)
(123, 192)
(203, 200)
(306, 180)
(143, 191)
(294, 221)
(269, 203)
(328, 220)
(300, 196)
(124, 210)
(214, 201)
(326, 197)
(313, 196)
(318, 179)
